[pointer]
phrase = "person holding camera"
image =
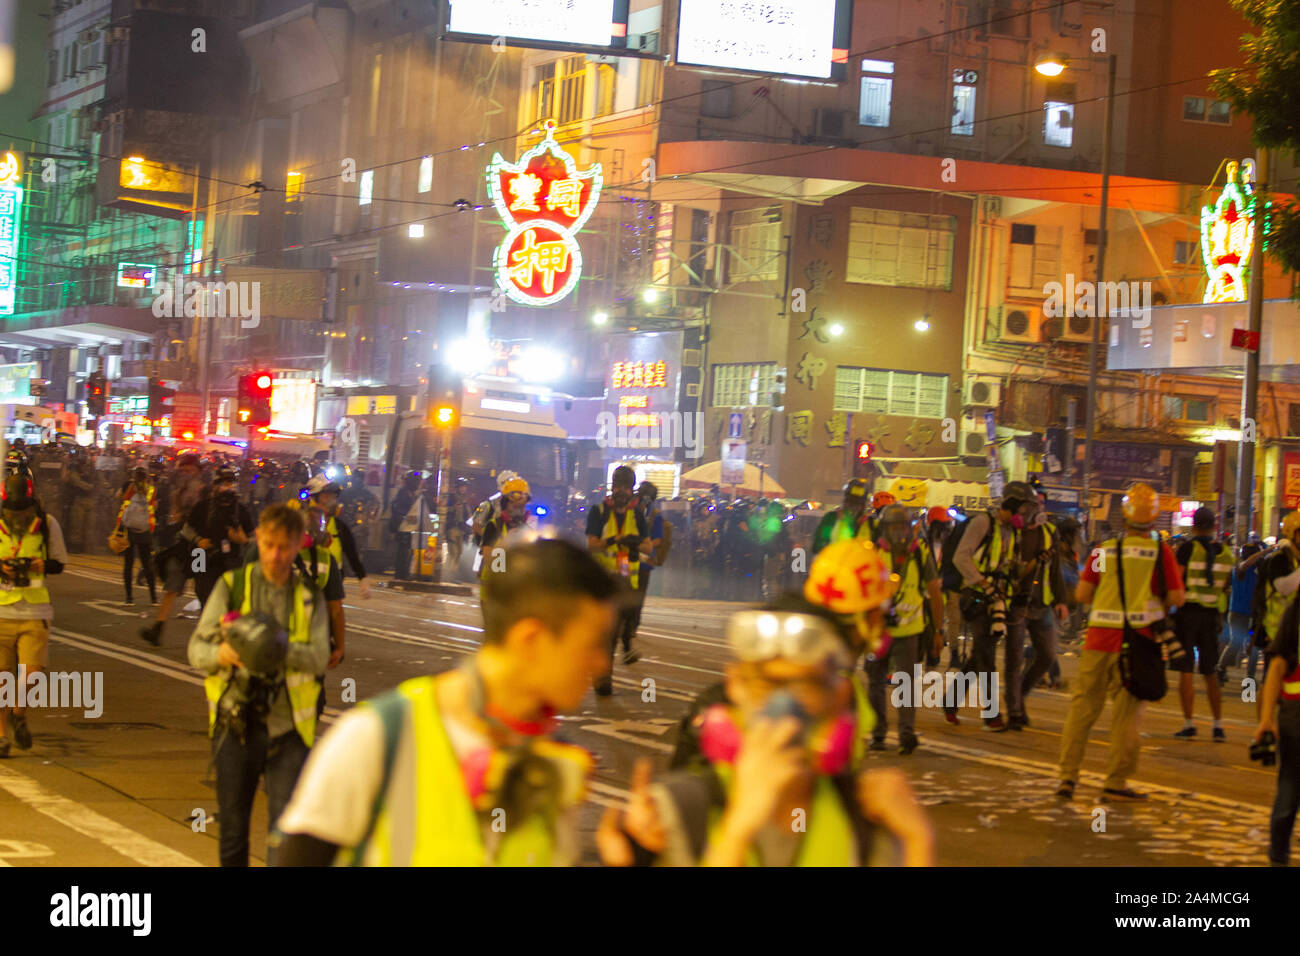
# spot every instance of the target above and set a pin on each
(137, 516)
(617, 534)
(510, 515)
(1037, 610)
(985, 557)
(1152, 582)
(1207, 573)
(261, 710)
(221, 525)
(32, 544)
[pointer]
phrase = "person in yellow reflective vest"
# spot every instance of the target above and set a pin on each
(261, 724)
(459, 769)
(1279, 726)
(31, 549)
(1207, 575)
(513, 515)
(618, 535)
(1151, 583)
(777, 786)
(845, 521)
(1279, 578)
(337, 535)
(1035, 613)
(910, 561)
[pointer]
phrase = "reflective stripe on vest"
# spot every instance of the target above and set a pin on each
(32, 545)
(303, 689)
(1210, 593)
(1291, 685)
(322, 564)
(336, 546)
(1275, 604)
(1049, 545)
(829, 839)
(439, 826)
(1144, 608)
(608, 556)
(866, 717)
(991, 559)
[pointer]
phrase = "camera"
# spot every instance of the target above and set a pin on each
(1163, 631)
(19, 573)
(1265, 749)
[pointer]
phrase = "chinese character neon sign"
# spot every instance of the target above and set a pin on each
(544, 201)
(1227, 235)
(11, 214)
(639, 375)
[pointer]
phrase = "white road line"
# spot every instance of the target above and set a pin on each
(87, 822)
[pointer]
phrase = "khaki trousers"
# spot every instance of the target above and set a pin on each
(1098, 679)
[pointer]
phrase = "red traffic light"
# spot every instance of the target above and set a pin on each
(865, 450)
(264, 381)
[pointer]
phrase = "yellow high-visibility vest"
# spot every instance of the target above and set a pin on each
(1212, 592)
(608, 555)
(1144, 607)
(31, 545)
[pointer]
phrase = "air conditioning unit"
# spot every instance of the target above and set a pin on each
(1022, 321)
(974, 436)
(983, 391)
(1075, 328)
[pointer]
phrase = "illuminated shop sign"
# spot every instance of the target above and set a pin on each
(11, 220)
(1227, 234)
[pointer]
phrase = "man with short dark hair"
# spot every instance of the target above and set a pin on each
(262, 718)
(1207, 574)
(459, 769)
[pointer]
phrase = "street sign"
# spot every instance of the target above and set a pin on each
(990, 427)
(736, 419)
(1245, 340)
(733, 462)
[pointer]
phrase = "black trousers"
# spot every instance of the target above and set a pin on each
(239, 767)
(141, 541)
(1287, 801)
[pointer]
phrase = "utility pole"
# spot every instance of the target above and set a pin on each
(1245, 505)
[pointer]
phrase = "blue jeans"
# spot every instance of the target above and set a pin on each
(1236, 638)
(239, 766)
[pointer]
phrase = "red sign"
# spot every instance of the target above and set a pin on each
(1291, 480)
(187, 415)
(1246, 340)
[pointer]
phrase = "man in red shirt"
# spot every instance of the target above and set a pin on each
(1152, 583)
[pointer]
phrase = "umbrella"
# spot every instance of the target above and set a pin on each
(710, 474)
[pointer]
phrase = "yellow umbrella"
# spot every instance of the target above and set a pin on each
(710, 474)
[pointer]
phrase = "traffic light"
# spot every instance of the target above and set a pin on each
(254, 405)
(445, 387)
(96, 394)
(160, 399)
(862, 452)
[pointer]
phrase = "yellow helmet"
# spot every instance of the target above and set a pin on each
(850, 577)
(1291, 524)
(1141, 505)
(515, 486)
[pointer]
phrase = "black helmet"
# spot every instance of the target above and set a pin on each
(19, 492)
(856, 488)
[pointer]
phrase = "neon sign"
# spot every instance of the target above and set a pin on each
(134, 275)
(639, 375)
(1227, 236)
(544, 201)
(11, 215)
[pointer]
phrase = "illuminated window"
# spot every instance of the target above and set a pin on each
(376, 75)
(900, 249)
(755, 244)
(367, 187)
(1035, 255)
(743, 386)
(885, 392)
(963, 110)
(1220, 113)
(425, 181)
(877, 93)
(647, 84)
(293, 186)
(1058, 124)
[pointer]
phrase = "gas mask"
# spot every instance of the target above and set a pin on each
(827, 743)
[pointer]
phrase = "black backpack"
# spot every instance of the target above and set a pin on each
(948, 573)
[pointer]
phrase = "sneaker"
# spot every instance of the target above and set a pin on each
(152, 633)
(631, 656)
(951, 717)
(995, 724)
(1122, 793)
(906, 747)
(605, 688)
(22, 733)
(1219, 735)
(1016, 722)
(1066, 790)
(876, 745)
(1186, 733)
(4, 747)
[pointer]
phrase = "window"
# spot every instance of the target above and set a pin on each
(717, 99)
(647, 84)
(1198, 109)
(1187, 409)
(885, 392)
(963, 110)
(1293, 418)
(424, 181)
(1058, 124)
(877, 93)
(606, 77)
(572, 89)
(1035, 255)
(900, 249)
(52, 74)
(755, 244)
(743, 386)
(293, 186)
(367, 187)
(544, 91)
(1184, 253)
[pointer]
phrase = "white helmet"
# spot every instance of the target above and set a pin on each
(505, 476)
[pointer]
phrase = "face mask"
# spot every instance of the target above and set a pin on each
(829, 743)
(1017, 522)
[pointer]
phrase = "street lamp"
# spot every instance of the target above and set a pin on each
(1054, 65)
(600, 318)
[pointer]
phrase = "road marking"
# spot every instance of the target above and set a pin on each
(626, 730)
(87, 822)
(110, 608)
(21, 850)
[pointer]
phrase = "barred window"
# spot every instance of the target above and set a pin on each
(885, 392)
(742, 386)
(900, 249)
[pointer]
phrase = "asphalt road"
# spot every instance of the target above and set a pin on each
(132, 786)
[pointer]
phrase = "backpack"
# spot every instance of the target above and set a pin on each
(485, 512)
(951, 577)
(136, 517)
